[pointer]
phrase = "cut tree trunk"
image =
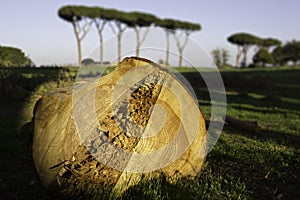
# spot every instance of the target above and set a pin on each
(138, 121)
(245, 125)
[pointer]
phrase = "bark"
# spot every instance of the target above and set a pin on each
(245, 50)
(181, 46)
(167, 46)
(119, 46)
(79, 51)
(139, 40)
(238, 56)
(80, 33)
(119, 33)
(100, 28)
(78, 41)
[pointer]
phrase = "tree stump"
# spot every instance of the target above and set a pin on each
(138, 121)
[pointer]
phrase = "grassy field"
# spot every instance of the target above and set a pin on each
(242, 165)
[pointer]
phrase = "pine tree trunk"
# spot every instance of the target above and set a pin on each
(181, 46)
(79, 52)
(137, 50)
(238, 56)
(167, 47)
(119, 38)
(119, 47)
(245, 50)
(78, 41)
(180, 57)
(100, 28)
(101, 46)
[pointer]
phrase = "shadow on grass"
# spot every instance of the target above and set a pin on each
(261, 88)
(18, 179)
(266, 164)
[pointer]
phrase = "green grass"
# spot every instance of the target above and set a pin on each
(93, 71)
(242, 165)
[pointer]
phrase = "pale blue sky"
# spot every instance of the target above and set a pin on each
(34, 26)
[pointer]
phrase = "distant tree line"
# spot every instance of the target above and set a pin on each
(220, 57)
(268, 51)
(13, 57)
(83, 17)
